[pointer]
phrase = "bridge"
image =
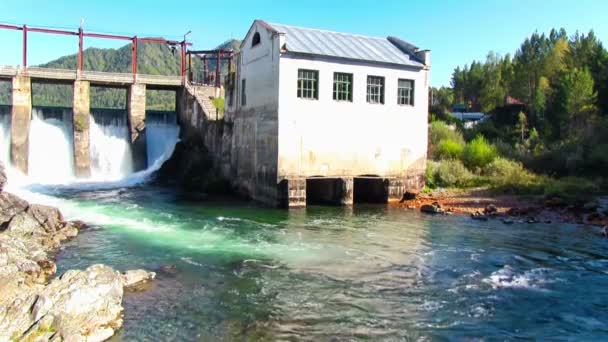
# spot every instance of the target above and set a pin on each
(189, 93)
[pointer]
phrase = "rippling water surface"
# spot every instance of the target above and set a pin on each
(231, 270)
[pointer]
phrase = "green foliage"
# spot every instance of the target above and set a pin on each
(449, 149)
(439, 130)
(509, 175)
(479, 153)
(430, 175)
(452, 173)
(218, 102)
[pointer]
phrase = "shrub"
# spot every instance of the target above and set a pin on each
(430, 174)
(478, 153)
(449, 149)
(452, 173)
(570, 188)
(439, 131)
(510, 175)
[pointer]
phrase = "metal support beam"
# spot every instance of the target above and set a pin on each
(134, 58)
(218, 70)
(24, 47)
(80, 49)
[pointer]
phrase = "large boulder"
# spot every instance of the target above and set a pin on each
(78, 306)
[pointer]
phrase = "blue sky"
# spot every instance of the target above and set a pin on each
(457, 32)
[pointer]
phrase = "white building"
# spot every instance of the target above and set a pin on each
(327, 116)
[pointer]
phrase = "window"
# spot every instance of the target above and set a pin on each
(308, 84)
(343, 87)
(375, 89)
(255, 40)
(405, 92)
(243, 93)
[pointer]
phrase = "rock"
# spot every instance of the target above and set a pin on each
(479, 216)
(408, 196)
(49, 218)
(134, 278)
(2, 176)
(82, 304)
(532, 220)
(490, 209)
(555, 202)
(10, 205)
(169, 269)
(591, 207)
(434, 208)
(508, 221)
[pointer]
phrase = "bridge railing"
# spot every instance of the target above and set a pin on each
(92, 76)
(8, 70)
(57, 74)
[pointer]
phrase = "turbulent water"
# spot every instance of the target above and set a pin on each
(229, 270)
(5, 133)
(51, 152)
(111, 156)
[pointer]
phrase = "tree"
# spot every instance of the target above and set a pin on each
(576, 100)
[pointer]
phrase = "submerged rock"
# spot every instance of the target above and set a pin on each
(134, 278)
(434, 208)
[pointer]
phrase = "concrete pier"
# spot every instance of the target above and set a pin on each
(21, 119)
(136, 103)
(292, 192)
(81, 119)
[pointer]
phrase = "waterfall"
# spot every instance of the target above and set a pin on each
(5, 133)
(111, 156)
(50, 145)
(162, 132)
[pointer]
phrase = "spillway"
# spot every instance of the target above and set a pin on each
(51, 153)
(5, 133)
(162, 132)
(111, 155)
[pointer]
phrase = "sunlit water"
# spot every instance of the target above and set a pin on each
(229, 270)
(339, 273)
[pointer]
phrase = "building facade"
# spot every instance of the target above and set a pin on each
(327, 117)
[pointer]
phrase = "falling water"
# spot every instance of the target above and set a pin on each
(111, 156)
(161, 133)
(5, 133)
(51, 145)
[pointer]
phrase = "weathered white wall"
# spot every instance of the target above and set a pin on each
(255, 125)
(325, 137)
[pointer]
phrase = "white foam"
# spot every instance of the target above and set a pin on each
(506, 277)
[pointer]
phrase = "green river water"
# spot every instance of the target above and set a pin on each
(230, 270)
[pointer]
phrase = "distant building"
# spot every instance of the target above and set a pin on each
(328, 117)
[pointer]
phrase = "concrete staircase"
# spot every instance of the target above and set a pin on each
(203, 95)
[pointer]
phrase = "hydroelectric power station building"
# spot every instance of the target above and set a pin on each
(326, 117)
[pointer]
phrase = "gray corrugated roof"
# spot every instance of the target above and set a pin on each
(343, 45)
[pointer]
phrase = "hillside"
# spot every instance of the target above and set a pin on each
(153, 59)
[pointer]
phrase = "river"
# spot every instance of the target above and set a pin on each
(229, 270)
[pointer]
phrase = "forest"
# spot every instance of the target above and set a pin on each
(557, 136)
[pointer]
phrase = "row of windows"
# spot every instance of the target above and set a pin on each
(308, 88)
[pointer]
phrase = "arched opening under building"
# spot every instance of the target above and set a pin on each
(325, 191)
(370, 189)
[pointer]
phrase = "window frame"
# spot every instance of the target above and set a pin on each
(410, 96)
(380, 87)
(303, 92)
(243, 92)
(348, 83)
(255, 42)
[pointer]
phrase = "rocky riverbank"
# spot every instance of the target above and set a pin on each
(484, 204)
(79, 305)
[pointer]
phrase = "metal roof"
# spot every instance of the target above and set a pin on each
(345, 45)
